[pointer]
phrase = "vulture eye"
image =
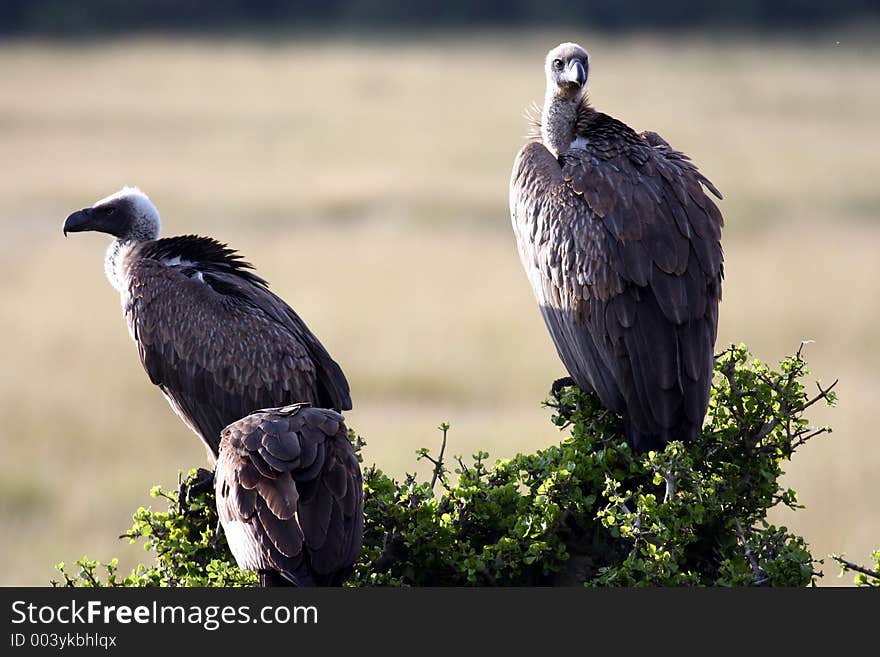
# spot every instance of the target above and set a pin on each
(557, 64)
(107, 210)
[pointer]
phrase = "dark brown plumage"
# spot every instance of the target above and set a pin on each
(209, 332)
(622, 247)
(290, 495)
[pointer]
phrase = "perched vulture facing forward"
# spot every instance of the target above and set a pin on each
(622, 246)
(290, 496)
(209, 332)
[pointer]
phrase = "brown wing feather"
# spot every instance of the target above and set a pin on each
(225, 347)
(622, 246)
(306, 519)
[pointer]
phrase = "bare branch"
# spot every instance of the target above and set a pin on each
(670, 485)
(392, 550)
(438, 464)
(804, 438)
(760, 576)
(767, 428)
(823, 393)
(800, 351)
(849, 565)
(729, 372)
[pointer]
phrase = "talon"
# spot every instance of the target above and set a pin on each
(560, 384)
(202, 482)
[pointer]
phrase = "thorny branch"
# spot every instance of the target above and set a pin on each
(439, 468)
(760, 576)
(392, 546)
(729, 372)
(849, 565)
(670, 485)
(797, 437)
(668, 475)
(439, 471)
(392, 549)
(800, 436)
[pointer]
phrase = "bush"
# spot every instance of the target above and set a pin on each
(587, 511)
(184, 539)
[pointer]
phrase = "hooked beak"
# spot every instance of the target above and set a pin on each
(575, 73)
(79, 221)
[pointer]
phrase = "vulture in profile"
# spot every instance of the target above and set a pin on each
(209, 332)
(290, 496)
(622, 246)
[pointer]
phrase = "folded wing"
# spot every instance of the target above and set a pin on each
(290, 494)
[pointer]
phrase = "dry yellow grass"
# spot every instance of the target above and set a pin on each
(369, 184)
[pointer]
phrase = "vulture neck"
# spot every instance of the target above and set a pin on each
(559, 119)
(114, 261)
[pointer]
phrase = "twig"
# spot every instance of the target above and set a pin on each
(800, 350)
(823, 394)
(622, 505)
(668, 476)
(438, 464)
(391, 550)
(760, 575)
(729, 371)
(88, 575)
(804, 438)
(670, 485)
(849, 565)
(798, 438)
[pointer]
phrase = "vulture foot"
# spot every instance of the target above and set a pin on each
(560, 384)
(563, 407)
(564, 410)
(201, 483)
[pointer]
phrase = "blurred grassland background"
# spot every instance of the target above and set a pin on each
(367, 180)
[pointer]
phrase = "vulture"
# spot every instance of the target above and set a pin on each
(208, 331)
(622, 245)
(290, 496)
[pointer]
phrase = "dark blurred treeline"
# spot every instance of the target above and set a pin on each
(83, 17)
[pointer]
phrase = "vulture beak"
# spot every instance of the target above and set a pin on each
(575, 73)
(79, 221)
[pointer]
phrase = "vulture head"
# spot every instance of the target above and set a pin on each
(567, 67)
(128, 215)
